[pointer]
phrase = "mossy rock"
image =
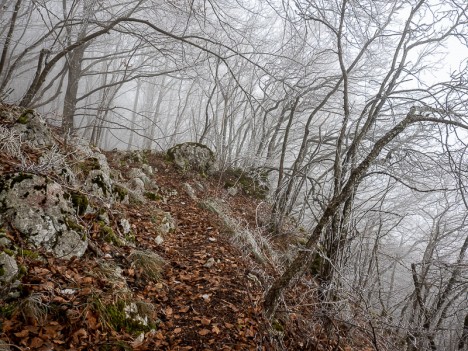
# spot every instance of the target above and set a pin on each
(80, 203)
(192, 157)
(119, 192)
(89, 164)
(100, 182)
(137, 156)
(253, 182)
(123, 315)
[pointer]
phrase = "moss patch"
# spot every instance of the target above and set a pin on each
(277, 326)
(113, 316)
(73, 225)
(9, 252)
(130, 237)
(80, 203)
(7, 310)
(152, 196)
(109, 236)
(119, 192)
(25, 117)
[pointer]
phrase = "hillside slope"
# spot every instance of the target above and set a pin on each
(127, 251)
(158, 273)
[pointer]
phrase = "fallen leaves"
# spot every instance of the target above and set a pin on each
(204, 332)
(205, 321)
(197, 303)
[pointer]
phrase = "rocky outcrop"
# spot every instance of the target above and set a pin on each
(42, 212)
(32, 128)
(192, 157)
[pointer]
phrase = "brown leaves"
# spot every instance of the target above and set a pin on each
(205, 321)
(22, 334)
(201, 300)
(204, 332)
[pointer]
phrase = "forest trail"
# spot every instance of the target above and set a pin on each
(207, 301)
(204, 298)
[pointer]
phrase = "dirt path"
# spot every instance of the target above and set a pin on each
(207, 302)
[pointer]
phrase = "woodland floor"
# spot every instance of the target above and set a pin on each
(205, 299)
(215, 308)
(197, 307)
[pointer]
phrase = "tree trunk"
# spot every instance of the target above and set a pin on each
(70, 100)
(6, 45)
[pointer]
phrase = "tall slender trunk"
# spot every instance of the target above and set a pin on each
(134, 115)
(9, 36)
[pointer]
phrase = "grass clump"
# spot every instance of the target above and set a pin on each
(148, 264)
(8, 310)
(123, 315)
(33, 309)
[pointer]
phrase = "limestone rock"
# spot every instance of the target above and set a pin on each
(4, 241)
(132, 313)
(69, 243)
(193, 156)
(8, 268)
(232, 191)
(125, 224)
(137, 174)
(42, 212)
(190, 191)
(159, 240)
(147, 169)
(136, 184)
(33, 129)
(164, 222)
